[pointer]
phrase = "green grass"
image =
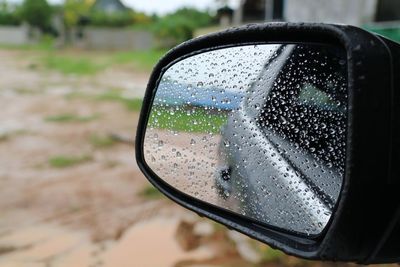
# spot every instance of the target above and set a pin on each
(90, 63)
(63, 161)
(69, 117)
(111, 95)
(145, 60)
(25, 91)
(132, 104)
(4, 137)
(269, 254)
(187, 119)
(78, 95)
(100, 141)
(114, 95)
(69, 61)
(150, 192)
(45, 44)
(72, 64)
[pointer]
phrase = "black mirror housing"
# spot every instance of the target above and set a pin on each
(365, 226)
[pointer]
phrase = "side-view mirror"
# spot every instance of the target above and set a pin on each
(288, 133)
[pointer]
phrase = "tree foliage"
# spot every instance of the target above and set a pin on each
(37, 13)
(74, 10)
(9, 14)
(180, 25)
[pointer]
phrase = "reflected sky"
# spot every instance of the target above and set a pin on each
(215, 80)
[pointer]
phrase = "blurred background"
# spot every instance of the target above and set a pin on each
(73, 74)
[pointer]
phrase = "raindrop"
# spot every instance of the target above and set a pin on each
(227, 143)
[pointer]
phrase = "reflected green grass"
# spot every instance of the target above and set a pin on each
(187, 119)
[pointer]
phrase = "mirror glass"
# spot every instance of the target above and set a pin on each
(259, 130)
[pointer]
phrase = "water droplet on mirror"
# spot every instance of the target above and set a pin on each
(275, 128)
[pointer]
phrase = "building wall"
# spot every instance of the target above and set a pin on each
(106, 38)
(354, 12)
(14, 35)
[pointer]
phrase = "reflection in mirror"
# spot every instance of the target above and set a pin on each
(257, 130)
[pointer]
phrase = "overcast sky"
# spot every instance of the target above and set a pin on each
(165, 6)
(158, 6)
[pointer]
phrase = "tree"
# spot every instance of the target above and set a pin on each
(37, 13)
(180, 25)
(9, 14)
(74, 10)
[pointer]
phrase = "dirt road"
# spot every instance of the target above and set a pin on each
(70, 195)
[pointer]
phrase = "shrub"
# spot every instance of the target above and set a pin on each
(180, 25)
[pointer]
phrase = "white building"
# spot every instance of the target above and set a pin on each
(355, 12)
